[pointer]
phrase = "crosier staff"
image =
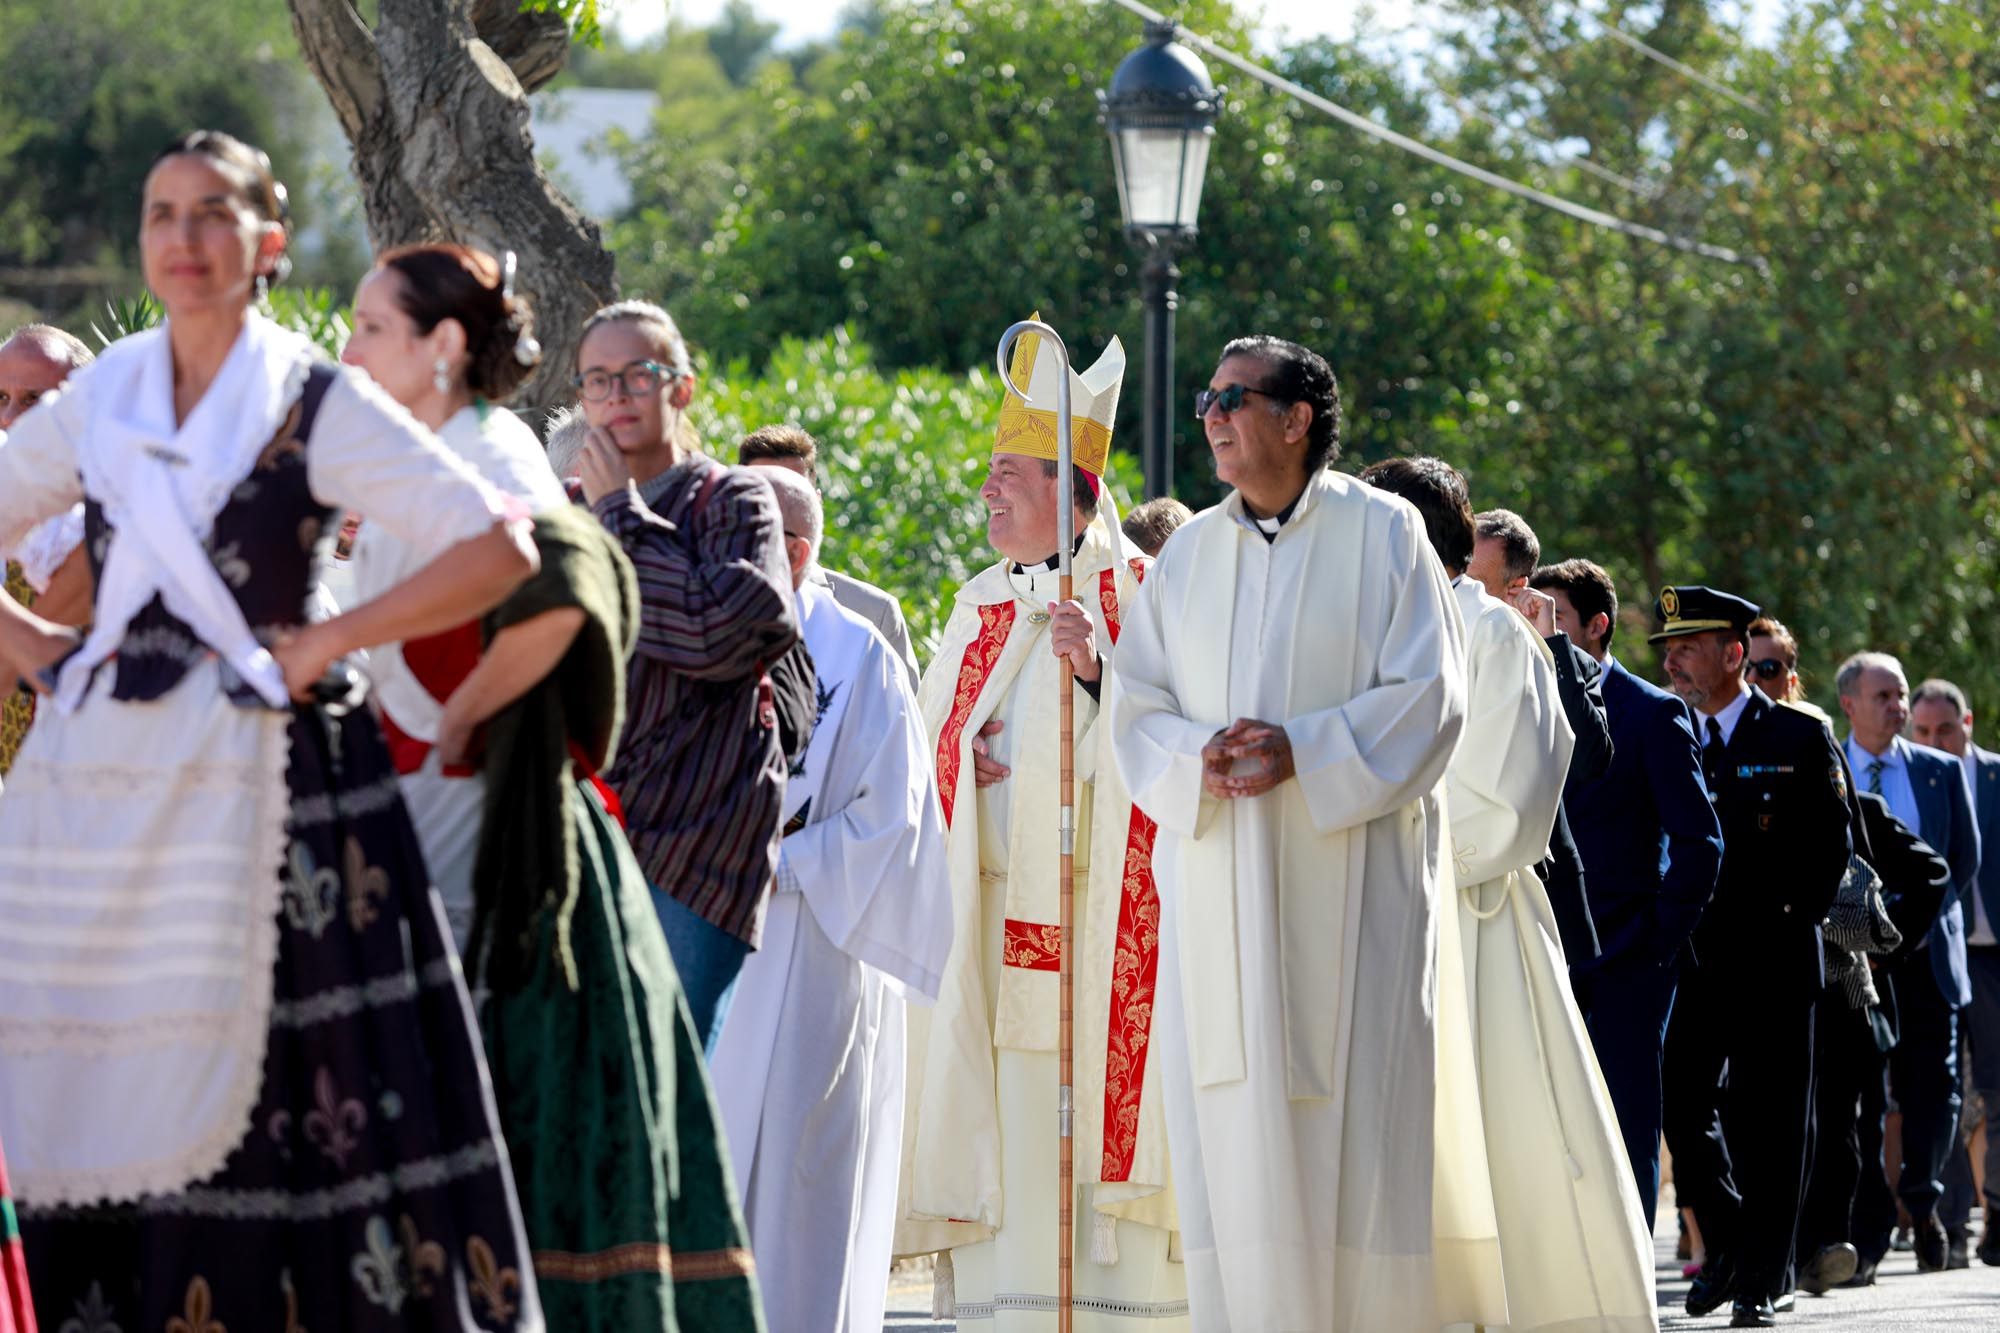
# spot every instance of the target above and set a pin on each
(1066, 817)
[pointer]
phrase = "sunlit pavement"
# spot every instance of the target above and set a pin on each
(1901, 1299)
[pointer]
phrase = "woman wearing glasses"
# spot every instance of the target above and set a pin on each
(702, 772)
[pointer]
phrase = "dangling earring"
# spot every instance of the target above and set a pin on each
(441, 375)
(263, 291)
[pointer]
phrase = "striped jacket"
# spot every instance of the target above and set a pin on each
(700, 777)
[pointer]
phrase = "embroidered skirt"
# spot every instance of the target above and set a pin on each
(606, 1103)
(372, 1192)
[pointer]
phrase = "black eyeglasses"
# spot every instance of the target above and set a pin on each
(1770, 668)
(638, 379)
(1228, 398)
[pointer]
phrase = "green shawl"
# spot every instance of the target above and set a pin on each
(527, 860)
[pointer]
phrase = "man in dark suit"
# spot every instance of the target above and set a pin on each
(1651, 847)
(1941, 719)
(1746, 1003)
(1925, 789)
(1504, 552)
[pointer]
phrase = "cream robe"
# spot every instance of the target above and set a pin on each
(980, 1173)
(1573, 1250)
(1297, 1027)
(809, 1070)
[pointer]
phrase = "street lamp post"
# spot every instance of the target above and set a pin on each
(1160, 113)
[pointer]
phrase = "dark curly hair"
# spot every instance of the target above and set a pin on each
(442, 282)
(1298, 375)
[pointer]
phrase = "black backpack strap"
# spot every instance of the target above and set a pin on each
(318, 380)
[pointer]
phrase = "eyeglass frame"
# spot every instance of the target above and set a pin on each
(1778, 667)
(1204, 399)
(663, 375)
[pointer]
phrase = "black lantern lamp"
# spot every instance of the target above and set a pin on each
(1161, 114)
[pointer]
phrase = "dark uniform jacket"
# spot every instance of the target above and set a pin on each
(1781, 793)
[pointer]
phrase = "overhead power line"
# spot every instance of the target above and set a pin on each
(1644, 189)
(1685, 71)
(1570, 208)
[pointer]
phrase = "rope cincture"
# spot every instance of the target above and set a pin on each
(1355, 120)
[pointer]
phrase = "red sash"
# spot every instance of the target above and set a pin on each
(1135, 963)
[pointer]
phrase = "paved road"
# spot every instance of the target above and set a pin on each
(1901, 1301)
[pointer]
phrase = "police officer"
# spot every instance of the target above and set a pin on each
(1746, 1004)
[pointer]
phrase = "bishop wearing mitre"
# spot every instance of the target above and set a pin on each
(981, 1182)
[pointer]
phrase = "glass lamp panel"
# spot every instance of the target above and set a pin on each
(1194, 166)
(1151, 182)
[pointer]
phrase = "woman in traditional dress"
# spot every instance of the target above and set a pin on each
(603, 1097)
(440, 329)
(243, 1090)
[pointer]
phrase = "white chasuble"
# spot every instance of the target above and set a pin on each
(1297, 1034)
(809, 1070)
(980, 1174)
(1574, 1252)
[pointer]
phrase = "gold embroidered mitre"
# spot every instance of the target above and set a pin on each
(1028, 416)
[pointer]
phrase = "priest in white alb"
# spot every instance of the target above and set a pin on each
(981, 1178)
(809, 1070)
(1289, 691)
(1575, 1255)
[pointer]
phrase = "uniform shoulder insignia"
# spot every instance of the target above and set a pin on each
(1839, 780)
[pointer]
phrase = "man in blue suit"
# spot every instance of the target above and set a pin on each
(1926, 790)
(1651, 847)
(1940, 718)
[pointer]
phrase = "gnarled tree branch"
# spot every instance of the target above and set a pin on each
(341, 52)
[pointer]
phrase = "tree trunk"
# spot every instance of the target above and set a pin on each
(434, 102)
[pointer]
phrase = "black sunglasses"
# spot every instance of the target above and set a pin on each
(1228, 398)
(1770, 668)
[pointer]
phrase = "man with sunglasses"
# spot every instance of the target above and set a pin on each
(1291, 686)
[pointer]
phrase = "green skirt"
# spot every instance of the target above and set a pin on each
(605, 1103)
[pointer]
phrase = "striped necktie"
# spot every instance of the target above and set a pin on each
(1875, 776)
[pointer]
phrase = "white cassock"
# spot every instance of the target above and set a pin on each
(1574, 1253)
(981, 1176)
(1296, 1031)
(809, 1069)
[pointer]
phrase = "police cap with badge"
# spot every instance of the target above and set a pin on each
(1694, 609)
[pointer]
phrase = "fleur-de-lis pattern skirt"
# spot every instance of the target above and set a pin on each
(372, 1192)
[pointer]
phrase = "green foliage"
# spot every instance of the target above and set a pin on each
(902, 456)
(1819, 437)
(740, 40)
(944, 172)
(581, 15)
(94, 89)
(316, 313)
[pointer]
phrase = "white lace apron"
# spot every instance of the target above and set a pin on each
(142, 844)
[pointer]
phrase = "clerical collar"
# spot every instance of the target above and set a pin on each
(1270, 527)
(1051, 564)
